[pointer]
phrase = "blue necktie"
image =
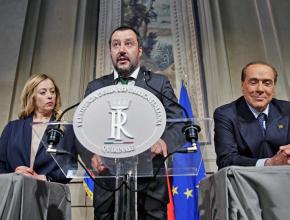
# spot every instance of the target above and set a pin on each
(262, 122)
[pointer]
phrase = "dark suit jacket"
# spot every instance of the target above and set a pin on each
(15, 148)
(157, 190)
(238, 137)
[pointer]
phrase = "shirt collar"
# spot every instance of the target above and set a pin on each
(133, 75)
(256, 113)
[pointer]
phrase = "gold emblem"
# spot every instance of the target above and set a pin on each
(280, 126)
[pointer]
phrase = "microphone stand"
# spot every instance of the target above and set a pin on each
(190, 130)
(54, 134)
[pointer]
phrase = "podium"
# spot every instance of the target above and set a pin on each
(122, 174)
(26, 198)
(115, 128)
(246, 193)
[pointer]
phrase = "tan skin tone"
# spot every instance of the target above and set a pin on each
(125, 52)
(44, 99)
(125, 55)
(258, 89)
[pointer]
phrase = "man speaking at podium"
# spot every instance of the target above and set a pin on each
(126, 50)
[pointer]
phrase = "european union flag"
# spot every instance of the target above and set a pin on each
(185, 188)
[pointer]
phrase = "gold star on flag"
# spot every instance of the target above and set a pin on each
(174, 190)
(188, 193)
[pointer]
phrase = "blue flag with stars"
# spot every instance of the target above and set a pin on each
(185, 188)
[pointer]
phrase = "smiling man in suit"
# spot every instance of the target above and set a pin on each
(254, 129)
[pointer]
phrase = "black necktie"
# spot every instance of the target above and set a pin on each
(262, 122)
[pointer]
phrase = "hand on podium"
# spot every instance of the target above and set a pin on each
(159, 147)
(27, 171)
(282, 157)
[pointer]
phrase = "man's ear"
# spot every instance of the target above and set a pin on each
(140, 51)
(242, 87)
(274, 90)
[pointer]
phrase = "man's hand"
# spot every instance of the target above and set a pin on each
(27, 171)
(281, 158)
(159, 148)
(97, 164)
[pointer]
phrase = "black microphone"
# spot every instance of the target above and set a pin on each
(53, 138)
(190, 130)
(54, 134)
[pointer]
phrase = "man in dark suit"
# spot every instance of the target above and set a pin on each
(254, 129)
(126, 50)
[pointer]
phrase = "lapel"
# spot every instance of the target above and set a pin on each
(248, 126)
(276, 132)
(277, 125)
(140, 81)
(109, 80)
(43, 144)
(27, 139)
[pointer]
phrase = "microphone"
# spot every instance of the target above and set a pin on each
(53, 138)
(191, 134)
(190, 130)
(54, 134)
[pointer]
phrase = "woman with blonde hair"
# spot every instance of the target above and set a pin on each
(21, 149)
(29, 93)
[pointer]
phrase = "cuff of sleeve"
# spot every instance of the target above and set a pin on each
(261, 162)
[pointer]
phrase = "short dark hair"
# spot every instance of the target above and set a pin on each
(124, 28)
(243, 75)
